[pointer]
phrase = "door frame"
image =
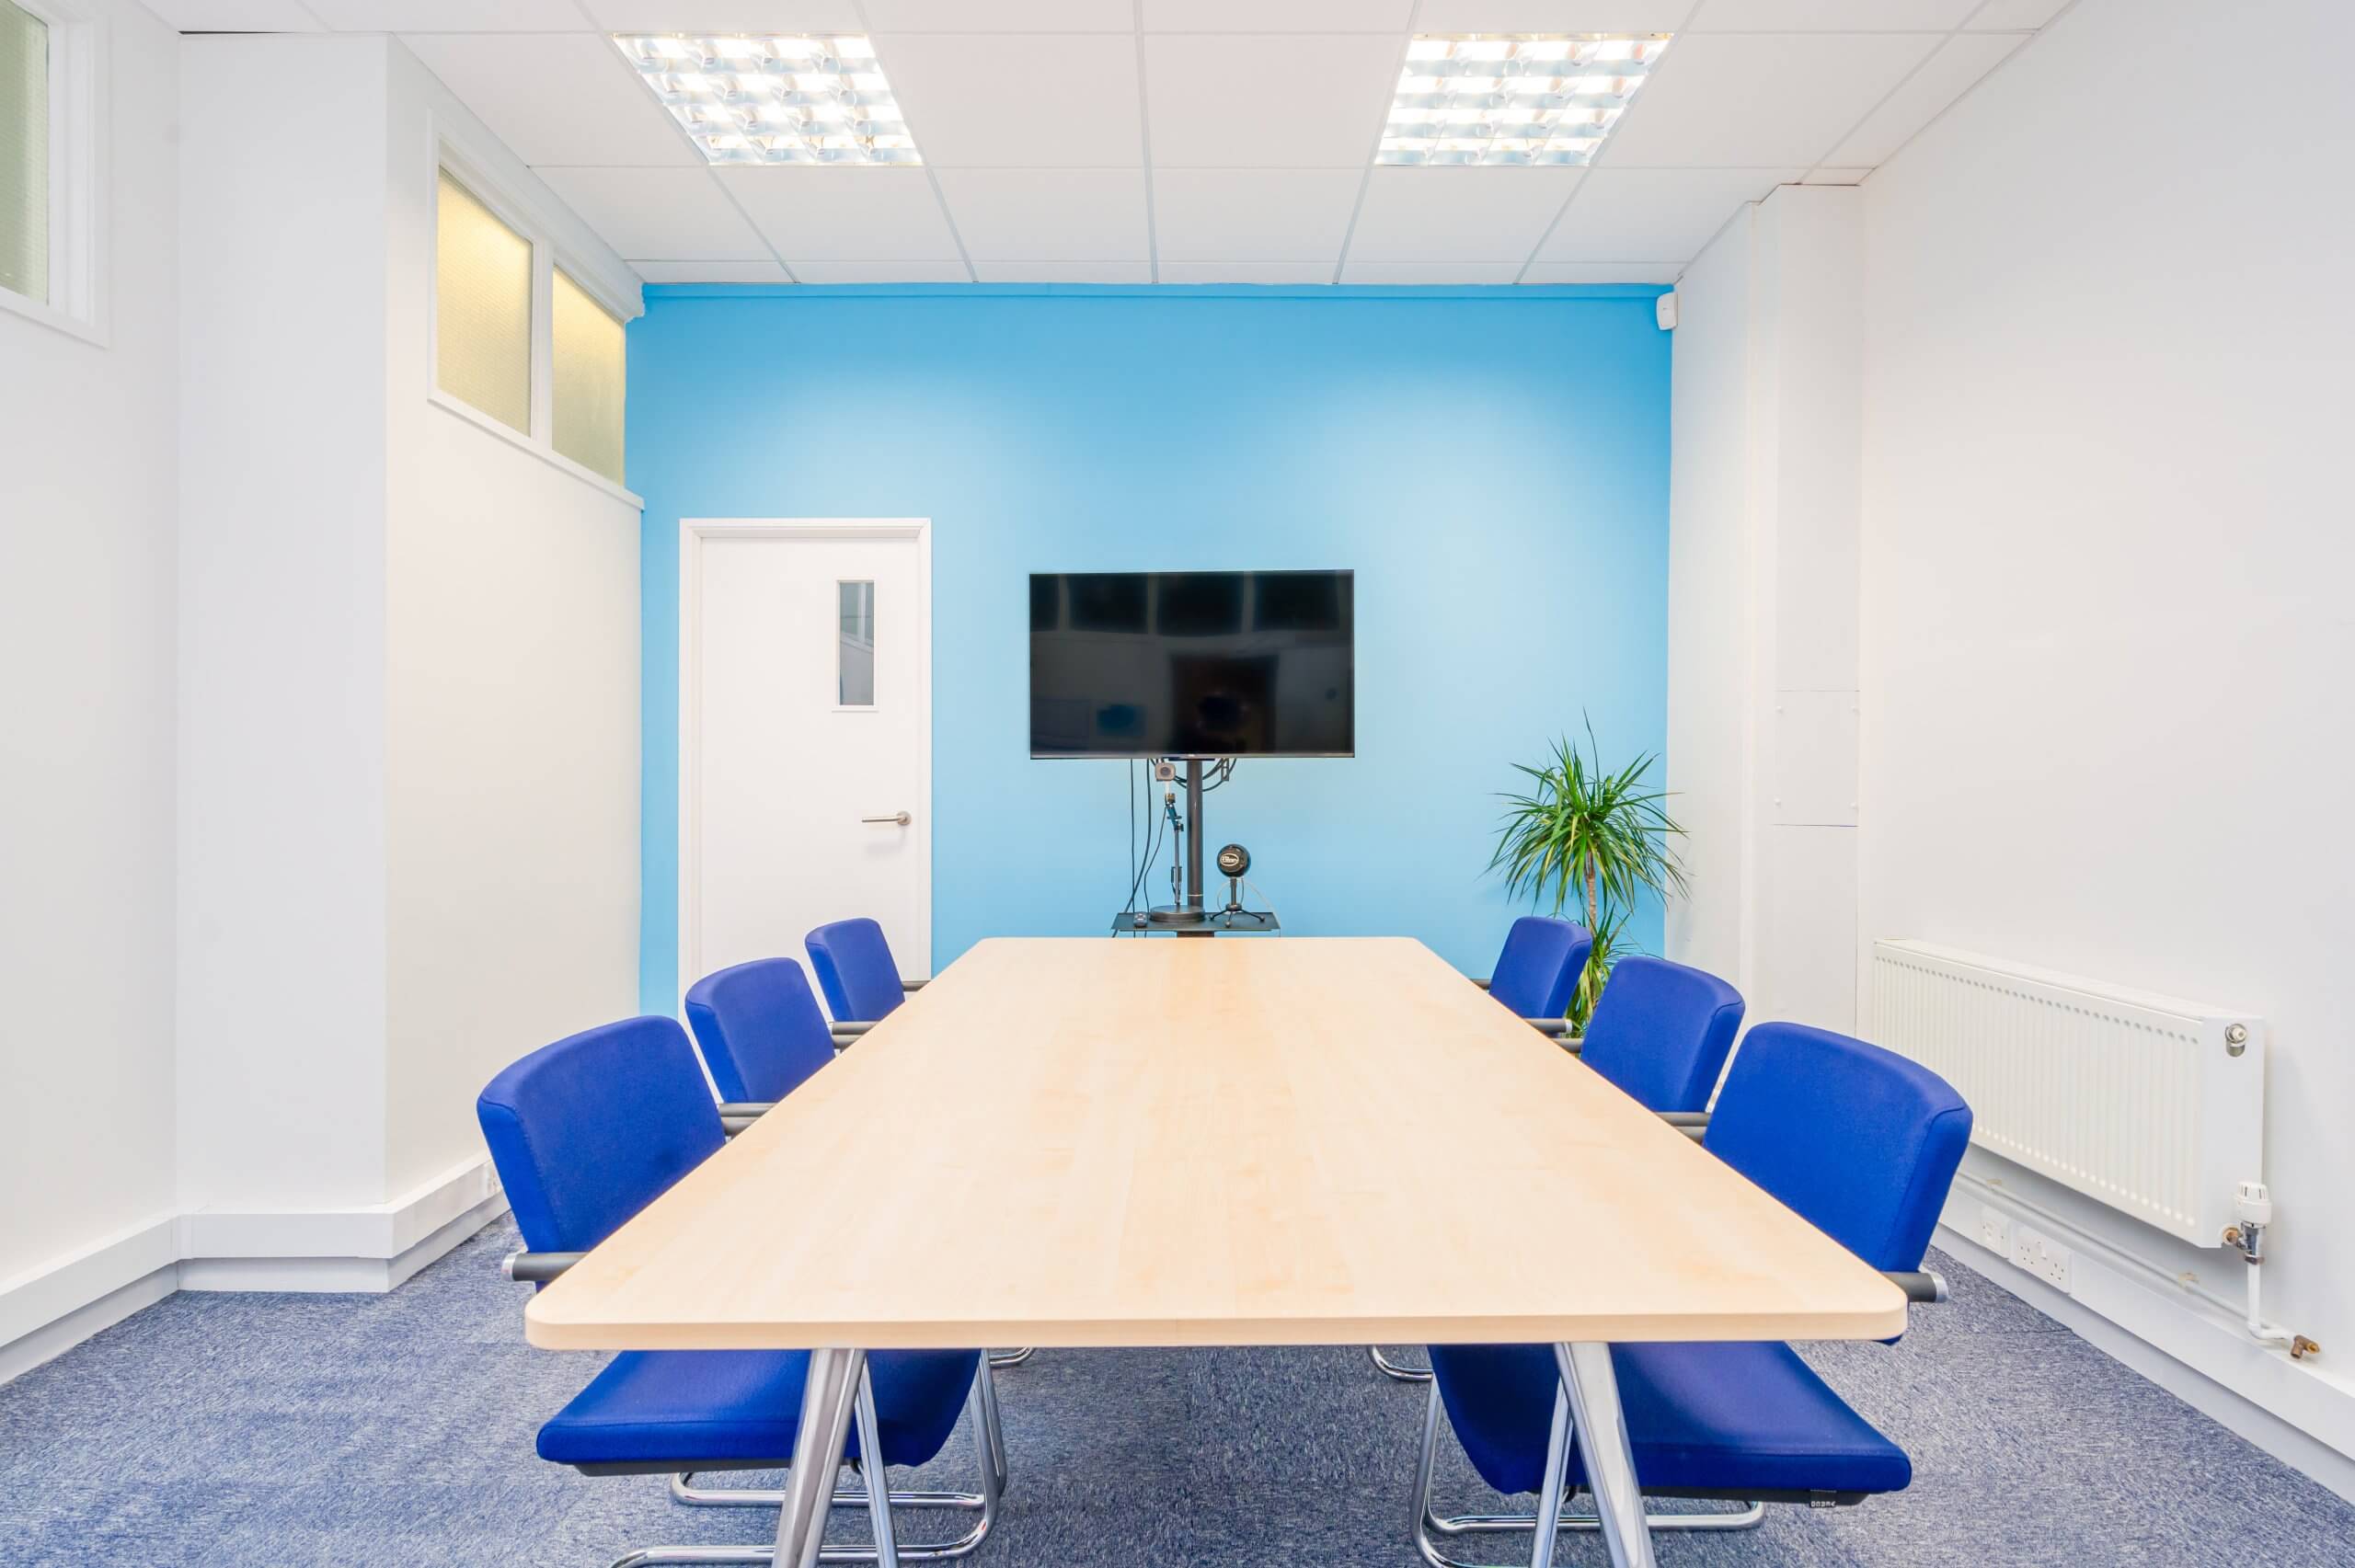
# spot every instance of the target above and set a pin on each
(693, 531)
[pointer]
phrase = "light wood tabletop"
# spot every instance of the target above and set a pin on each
(1279, 1142)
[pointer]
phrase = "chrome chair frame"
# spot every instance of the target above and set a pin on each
(1551, 1502)
(886, 1551)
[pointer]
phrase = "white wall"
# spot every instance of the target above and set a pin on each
(512, 725)
(2107, 550)
(88, 495)
(281, 891)
(1763, 515)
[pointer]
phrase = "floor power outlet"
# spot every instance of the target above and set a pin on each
(2041, 1256)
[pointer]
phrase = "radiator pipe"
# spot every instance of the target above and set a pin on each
(2255, 1206)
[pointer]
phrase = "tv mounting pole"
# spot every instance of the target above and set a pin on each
(1194, 835)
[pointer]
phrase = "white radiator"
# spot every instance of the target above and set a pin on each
(2151, 1105)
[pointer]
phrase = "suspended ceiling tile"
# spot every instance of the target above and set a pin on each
(1830, 15)
(844, 214)
(1603, 272)
(663, 214)
(1552, 16)
(1666, 215)
(451, 16)
(236, 16)
(1457, 214)
(711, 271)
(714, 17)
(1001, 15)
(1048, 214)
(1953, 71)
(1247, 271)
(969, 105)
(832, 272)
(1732, 99)
(557, 99)
(1836, 177)
(1280, 17)
(1063, 271)
(1268, 214)
(2024, 15)
(1272, 102)
(1430, 271)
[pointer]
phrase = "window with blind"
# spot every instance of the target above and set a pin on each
(482, 308)
(24, 152)
(586, 387)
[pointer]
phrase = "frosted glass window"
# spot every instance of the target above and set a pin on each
(24, 152)
(856, 660)
(587, 385)
(482, 305)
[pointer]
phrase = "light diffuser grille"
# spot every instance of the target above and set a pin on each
(776, 99)
(1486, 98)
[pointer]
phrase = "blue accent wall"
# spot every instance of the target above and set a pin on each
(1492, 463)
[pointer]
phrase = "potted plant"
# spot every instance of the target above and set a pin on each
(1593, 838)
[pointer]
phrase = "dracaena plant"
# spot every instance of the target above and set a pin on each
(1590, 838)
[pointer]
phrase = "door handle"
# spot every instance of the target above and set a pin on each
(898, 819)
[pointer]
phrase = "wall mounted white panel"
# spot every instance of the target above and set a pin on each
(1059, 100)
(1280, 102)
(1663, 214)
(1458, 215)
(1727, 101)
(1270, 214)
(1049, 214)
(555, 99)
(1953, 71)
(864, 214)
(671, 214)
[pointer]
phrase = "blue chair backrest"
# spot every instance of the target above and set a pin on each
(855, 971)
(1860, 1141)
(759, 1028)
(1539, 966)
(589, 1131)
(1660, 1031)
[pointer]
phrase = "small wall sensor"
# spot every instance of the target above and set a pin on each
(1664, 311)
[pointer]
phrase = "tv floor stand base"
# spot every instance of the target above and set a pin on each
(1195, 923)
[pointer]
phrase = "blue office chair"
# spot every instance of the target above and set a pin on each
(585, 1133)
(1661, 1031)
(856, 971)
(759, 1031)
(1860, 1141)
(1535, 976)
(1538, 970)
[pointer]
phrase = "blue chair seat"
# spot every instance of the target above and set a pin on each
(1742, 1419)
(677, 1410)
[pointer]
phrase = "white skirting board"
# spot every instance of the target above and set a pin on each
(52, 1309)
(2301, 1413)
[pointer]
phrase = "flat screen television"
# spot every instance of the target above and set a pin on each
(1192, 664)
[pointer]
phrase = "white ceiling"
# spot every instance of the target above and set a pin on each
(1185, 141)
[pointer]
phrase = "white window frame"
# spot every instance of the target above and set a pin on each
(76, 163)
(548, 253)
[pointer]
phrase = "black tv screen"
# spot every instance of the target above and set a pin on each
(1192, 664)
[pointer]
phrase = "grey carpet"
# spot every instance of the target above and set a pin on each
(236, 1431)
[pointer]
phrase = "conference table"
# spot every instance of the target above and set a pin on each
(1240, 1142)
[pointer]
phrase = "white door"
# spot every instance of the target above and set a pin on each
(806, 720)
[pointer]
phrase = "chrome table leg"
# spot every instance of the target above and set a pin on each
(1591, 1388)
(1549, 1491)
(828, 1394)
(879, 1480)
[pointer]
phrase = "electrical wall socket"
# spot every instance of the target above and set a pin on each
(2041, 1256)
(1994, 1231)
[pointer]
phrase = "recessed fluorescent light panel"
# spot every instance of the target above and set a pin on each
(1494, 99)
(775, 101)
